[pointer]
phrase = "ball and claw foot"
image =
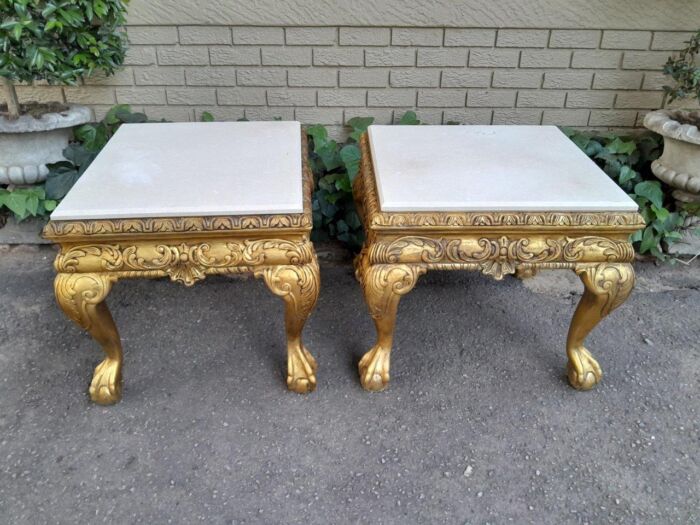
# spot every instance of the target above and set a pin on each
(106, 386)
(301, 372)
(583, 370)
(374, 369)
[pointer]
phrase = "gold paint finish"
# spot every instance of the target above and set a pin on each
(401, 246)
(94, 254)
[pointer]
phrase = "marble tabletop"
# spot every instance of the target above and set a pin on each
(191, 169)
(488, 168)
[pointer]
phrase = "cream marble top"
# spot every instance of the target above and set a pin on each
(191, 169)
(488, 168)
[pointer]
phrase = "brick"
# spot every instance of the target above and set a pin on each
(329, 116)
(121, 77)
(150, 35)
(618, 80)
(567, 79)
(44, 94)
(470, 37)
(90, 95)
(309, 36)
(466, 78)
(590, 99)
(494, 58)
(391, 97)
(390, 57)
(442, 98)
(140, 56)
(204, 35)
(338, 57)
(541, 99)
(596, 59)
(517, 78)
(191, 95)
(365, 36)
(415, 78)
(312, 77)
(141, 95)
(183, 56)
(286, 56)
(241, 96)
(565, 117)
(491, 98)
(291, 97)
(364, 77)
(258, 35)
(654, 81)
(613, 118)
(171, 113)
(548, 58)
(520, 116)
(159, 76)
(426, 116)
(265, 113)
(220, 113)
(210, 76)
(342, 97)
(639, 100)
(575, 38)
(261, 77)
(652, 60)
(380, 116)
(416, 36)
(522, 38)
(442, 57)
(473, 117)
(234, 56)
(670, 40)
(626, 40)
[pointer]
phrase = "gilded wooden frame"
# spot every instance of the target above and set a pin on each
(94, 254)
(402, 246)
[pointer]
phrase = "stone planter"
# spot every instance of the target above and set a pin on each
(679, 166)
(28, 144)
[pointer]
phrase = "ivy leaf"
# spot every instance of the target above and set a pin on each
(359, 125)
(409, 119)
(319, 134)
(649, 241)
(627, 174)
(59, 183)
(651, 190)
(351, 158)
(621, 147)
(207, 117)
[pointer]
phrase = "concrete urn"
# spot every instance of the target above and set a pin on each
(679, 166)
(28, 144)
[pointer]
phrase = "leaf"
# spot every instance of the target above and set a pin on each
(318, 133)
(207, 117)
(651, 190)
(409, 119)
(627, 174)
(649, 241)
(359, 125)
(58, 184)
(661, 213)
(351, 159)
(618, 146)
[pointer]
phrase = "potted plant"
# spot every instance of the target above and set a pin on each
(60, 42)
(679, 166)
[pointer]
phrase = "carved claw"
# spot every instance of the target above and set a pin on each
(583, 370)
(301, 371)
(374, 369)
(106, 386)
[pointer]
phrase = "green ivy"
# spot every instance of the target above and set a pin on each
(26, 202)
(60, 40)
(627, 160)
(684, 72)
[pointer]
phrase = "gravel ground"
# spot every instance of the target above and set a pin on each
(478, 426)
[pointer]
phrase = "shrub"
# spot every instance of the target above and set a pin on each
(60, 41)
(685, 72)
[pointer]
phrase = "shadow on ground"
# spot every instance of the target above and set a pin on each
(479, 425)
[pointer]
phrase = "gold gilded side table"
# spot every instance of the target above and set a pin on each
(185, 201)
(496, 199)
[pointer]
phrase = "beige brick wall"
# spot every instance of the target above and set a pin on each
(574, 77)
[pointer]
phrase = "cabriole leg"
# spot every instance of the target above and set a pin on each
(607, 286)
(81, 297)
(383, 286)
(298, 286)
